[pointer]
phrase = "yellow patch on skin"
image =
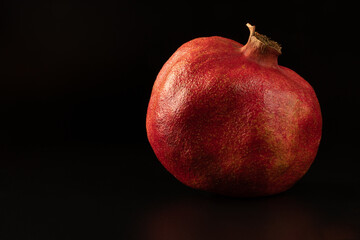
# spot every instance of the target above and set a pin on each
(279, 126)
(285, 119)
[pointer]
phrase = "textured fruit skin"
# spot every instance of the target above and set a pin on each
(221, 122)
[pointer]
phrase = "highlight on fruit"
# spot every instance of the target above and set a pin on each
(228, 119)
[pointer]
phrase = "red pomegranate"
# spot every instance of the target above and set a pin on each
(227, 119)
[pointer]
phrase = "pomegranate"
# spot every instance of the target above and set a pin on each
(226, 118)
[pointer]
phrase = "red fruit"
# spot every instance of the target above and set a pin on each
(226, 118)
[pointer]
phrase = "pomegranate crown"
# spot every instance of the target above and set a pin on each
(263, 39)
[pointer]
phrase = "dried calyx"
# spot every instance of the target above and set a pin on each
(266, 41)
(261, 48)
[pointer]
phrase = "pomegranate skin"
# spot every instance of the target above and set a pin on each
(226, 122)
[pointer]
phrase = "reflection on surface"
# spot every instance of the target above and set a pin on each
(212, 217)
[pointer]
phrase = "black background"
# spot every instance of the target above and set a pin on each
(76, 77)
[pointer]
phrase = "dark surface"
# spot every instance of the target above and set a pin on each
(113, 193)
(76, 77)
